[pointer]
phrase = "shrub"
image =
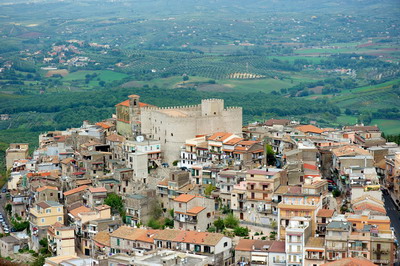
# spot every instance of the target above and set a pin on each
(241, 231)
(231, 221)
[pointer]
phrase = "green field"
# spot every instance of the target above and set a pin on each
(388, 126)
(291, 59)
(255, 85)
(346, 120)
(105, 75)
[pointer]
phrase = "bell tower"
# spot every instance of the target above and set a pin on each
(134, 115)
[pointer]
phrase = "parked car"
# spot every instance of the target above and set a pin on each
(4, 190)
(6, 231)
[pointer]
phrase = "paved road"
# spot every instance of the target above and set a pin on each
(3, 202)
(394, 216)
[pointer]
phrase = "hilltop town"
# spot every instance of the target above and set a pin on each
(190, 185)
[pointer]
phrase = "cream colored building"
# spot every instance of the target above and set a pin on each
(172, 126)
(16, 151)
(41, 216)
(61, 240)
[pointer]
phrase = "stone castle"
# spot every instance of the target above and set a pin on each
(173, 125)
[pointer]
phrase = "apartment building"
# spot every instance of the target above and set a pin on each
(297, 234)
(41, 216)
(61, 240)
(193, 212)
(314, 251)
(16, 151)
(337, 233)
(261, 185)
(304, 201)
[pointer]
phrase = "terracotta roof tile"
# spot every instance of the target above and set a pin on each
(40, 189)
(184, 198)
(325, 213)
(196, 209)
(277, 247)
(103, 125)
(103, 238)
(97, 189)
(233, 141)
(309, 129)
(78, 210)
(75, 190)
(219, 136)
(126, 103)
(115, 138)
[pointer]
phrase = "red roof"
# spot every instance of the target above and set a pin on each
(40, 189)
(97, 189)
(75, 190)
(219, 136)
(103, 125)
(126, 103)
(325, 213)
(309, 128)
(278, 247)
(184, 198)
(310, 166)
(196, 209)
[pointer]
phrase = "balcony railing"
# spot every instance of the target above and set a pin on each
(383, 251)
(358, 248)
(192, 221)
(315, 257)
(380, 261)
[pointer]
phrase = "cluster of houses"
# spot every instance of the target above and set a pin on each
(313, 193)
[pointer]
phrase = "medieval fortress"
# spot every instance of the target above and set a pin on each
(172, 126)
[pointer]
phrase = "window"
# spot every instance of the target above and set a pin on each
(225, 244)
(51, 194)
(58, 209)
(118, 241)
(48, 210)
(59, 219)
(43, 219)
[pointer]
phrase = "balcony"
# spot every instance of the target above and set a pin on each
(265, 211)
(187, 220)
(380, 261)
(279, 261)
(268, 190)
(311, 257)
(352, 248)
(336, 248)
(382, 251)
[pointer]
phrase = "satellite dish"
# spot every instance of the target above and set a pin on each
(139, 138)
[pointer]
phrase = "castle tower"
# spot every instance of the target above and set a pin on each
(134, 114)
(212, 107)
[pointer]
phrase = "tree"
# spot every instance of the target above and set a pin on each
(8, 208)
(270, 155)
(212, 229)
(231, 221)
(209, 188)
(219, 224)
(274, 225)
(153, 223)
(115, 202)
(185, 78)
(336, 193)
(169, 222)
(155, 209)
(241, 231)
